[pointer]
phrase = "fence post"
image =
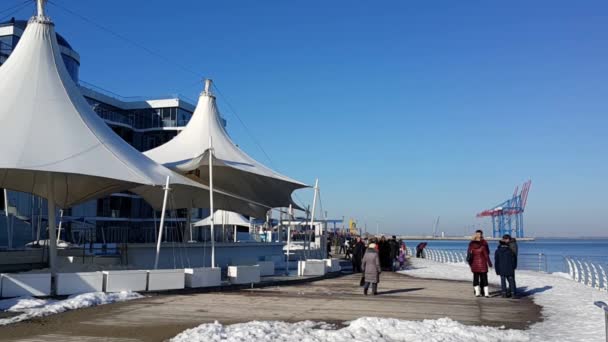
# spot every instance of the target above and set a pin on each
(604, 307)
(604, 277)
(570, 268)
(589, 276)
(596, 277)
(579, 271)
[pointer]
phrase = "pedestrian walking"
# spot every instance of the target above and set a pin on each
(505, 262)
(384, 255)
(513, 245)
(401, 257)
(393, 247)
(479, 259)
(358, 252)
(371, 269)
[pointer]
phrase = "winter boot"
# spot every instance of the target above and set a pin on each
(486, 291)
(477, 291)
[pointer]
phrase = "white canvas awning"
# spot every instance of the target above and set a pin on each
(233, 170)
(223, 217)
(52, 136)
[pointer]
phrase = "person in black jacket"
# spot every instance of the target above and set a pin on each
(393, 252)
(358, 252)
(505, 262)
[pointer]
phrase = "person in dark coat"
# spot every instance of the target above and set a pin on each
(479, 260)
(505, 262)
(393, 246)
(383, 250)
(371, 269)
(358, 251)
(420, 250)
(513, 245)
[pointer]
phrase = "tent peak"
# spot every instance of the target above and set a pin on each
(208, 84)
(40, 13)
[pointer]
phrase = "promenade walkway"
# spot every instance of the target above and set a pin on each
(334, 300)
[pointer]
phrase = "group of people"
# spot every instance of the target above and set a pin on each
(505, 263)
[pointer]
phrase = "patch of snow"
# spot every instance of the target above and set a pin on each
(568, 310)
(21, 303)
(360, 330)
(32, 308)
(563, 275)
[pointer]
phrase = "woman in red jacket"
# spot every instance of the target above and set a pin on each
(479, 260)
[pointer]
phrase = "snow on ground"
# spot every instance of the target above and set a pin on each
(568, 310)
(361, 330)
(29, 307)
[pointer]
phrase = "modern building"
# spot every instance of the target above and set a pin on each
(122, 217)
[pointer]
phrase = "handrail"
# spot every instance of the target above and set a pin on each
(587, 272)
(604, 307)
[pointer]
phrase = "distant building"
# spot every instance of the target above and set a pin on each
(143, 123)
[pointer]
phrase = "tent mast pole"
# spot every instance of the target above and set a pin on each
(288, 239)
(211, 202)
(162, 223)
(52, 233)
(9, 233)
(60, 223)
(314, 206)
(189, 220)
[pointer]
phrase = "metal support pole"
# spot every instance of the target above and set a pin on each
(60, 223)
(52, 232)
(9, 231)
(314, 206)
(162, 223)
(288, 240)
(189, 221)
(604, 307)
(211, 202)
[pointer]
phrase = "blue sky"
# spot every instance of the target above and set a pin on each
(405, 110)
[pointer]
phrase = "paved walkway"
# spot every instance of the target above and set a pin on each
(332, 300)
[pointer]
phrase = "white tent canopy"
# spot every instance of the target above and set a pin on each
(223, 217)
(233, 170)
(56, 138)
(51, 129)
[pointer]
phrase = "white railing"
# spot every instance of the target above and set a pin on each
(443, 255)
(587, 272)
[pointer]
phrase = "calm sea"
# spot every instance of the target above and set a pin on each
(549, 252)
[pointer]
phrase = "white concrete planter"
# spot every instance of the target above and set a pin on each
(159, 280)
(333, 265)
(117, 281)
(26, 284)
(243, 274)
(76, 283)
(203, 277)
(266, 268)
(311, 268)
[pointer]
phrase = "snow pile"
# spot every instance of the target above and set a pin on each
(29, 307)
(361, 330)
(568, 310)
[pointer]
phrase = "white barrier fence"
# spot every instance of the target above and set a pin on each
(590, 273)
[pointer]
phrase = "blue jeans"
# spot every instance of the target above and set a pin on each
(503, 284)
